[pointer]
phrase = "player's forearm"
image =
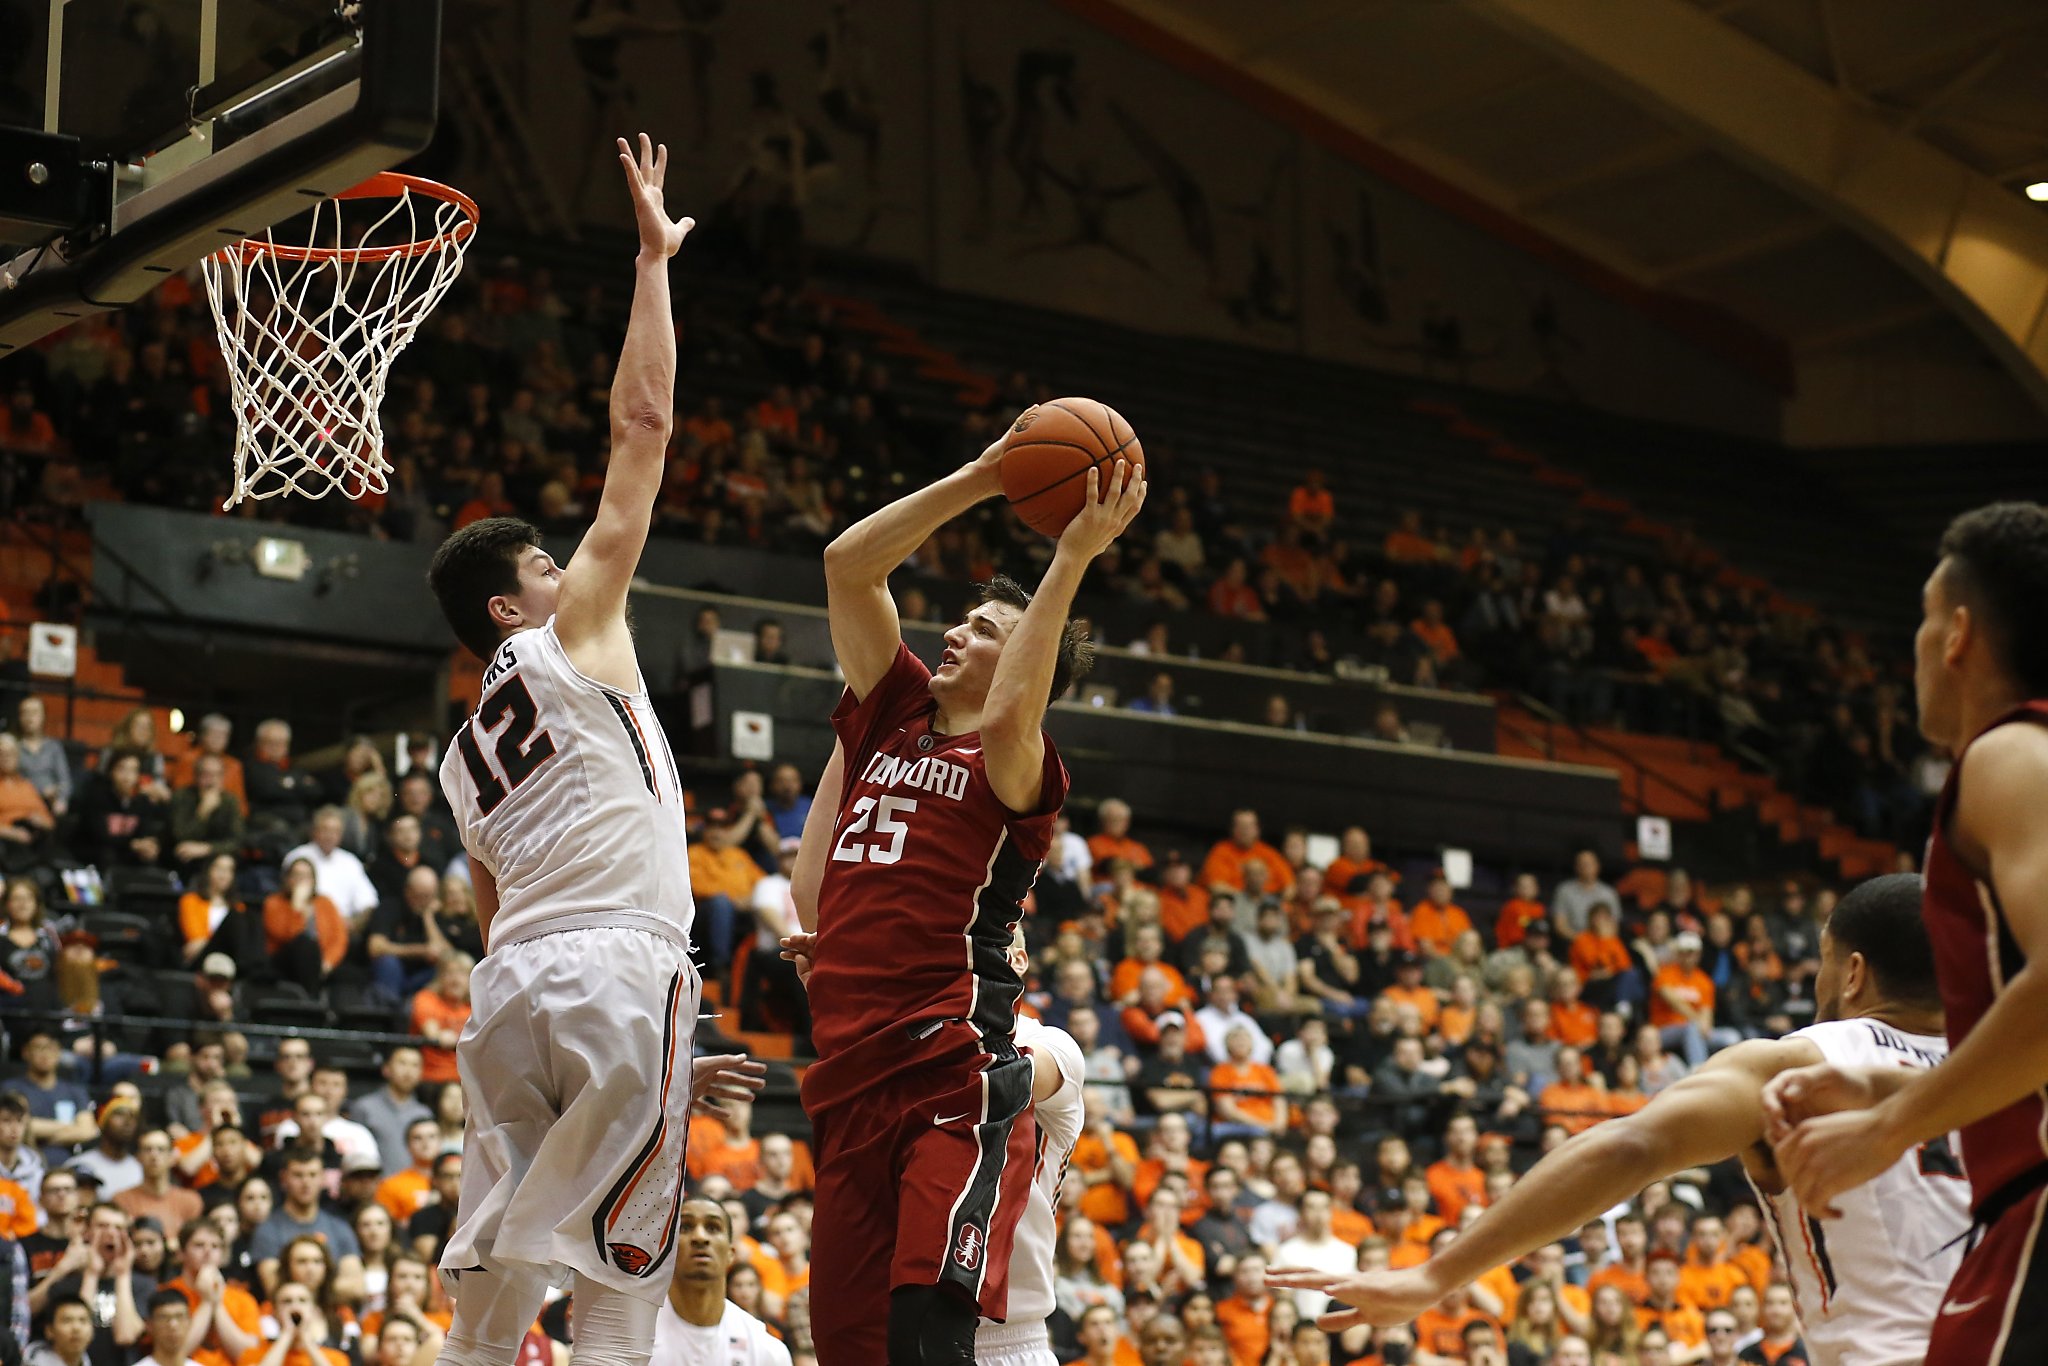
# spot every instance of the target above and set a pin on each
(869, 551)
(2003, 1059)
(643, 396)
(813, 846)
(1579, 1181)
(1022, 687)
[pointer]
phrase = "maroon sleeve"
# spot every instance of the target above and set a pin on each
(899, 695)
(1033, 829)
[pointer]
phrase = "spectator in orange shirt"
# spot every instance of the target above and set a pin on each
(1572, 1021)
(305, 933)
(406, 1193)
(1107, 1159)
(1708, 1277)
(25, 427)
(1172, 1154)
(1455, 1180)
(784, 1263)
(232, 1320)
(1311, 506)
(1606, 969)
(1112, 838)
(1348, 873)
(438, 1014)
(1379, 906)
(1435, 921)
(1682, 1001)
(1148, 950)
(1440, 1329)
(1627, 1273)
(1183, 903)
(1231, 595)
(1667, 1307)
(1407, 543)
(1408, 990)
(490, 501)
(1244, 1312)
(1145, 1020)
(1224, 867)
(1436, 635)
(1518, 912)
(1244, 1096)
(1574, 1101)
(212, 737)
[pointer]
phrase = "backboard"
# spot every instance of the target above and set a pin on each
(137, 136)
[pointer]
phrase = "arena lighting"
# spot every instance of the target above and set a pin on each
(2038, 192)
(177, 720)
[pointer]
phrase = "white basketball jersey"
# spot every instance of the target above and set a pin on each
(568, 795)
(1869, 1284)
(740, 1339)
(1059, 1129)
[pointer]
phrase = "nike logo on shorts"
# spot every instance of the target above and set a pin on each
(1963, 1308)
(943, 1120)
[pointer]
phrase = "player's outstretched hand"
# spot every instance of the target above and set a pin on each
(802, 950)
(1830, 1154)
(1374, 1298)
(659, 234)
(1107, 510)
(1791, 1098)
(724, 1076)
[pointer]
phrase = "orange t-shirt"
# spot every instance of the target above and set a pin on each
(297, 1356)
(1225, 865)
(1621, 1103)
(1153, 1170)
(739, 1163)
(1407, 1253)
(1342, 872)
(1104, 848)
(776, 1279)
(1577, 1024)
(1182, 913)
(1348, 1225)
(429, 1007)
(1408, 547)
(1683, 1322)
(240, 1307)
(17, 1210)
(207, 1174)
(1434, 926)
(405, 1193)
(1634, 1284)
(1124, 981)
(1592, 953)
(1453, 1187)
(1105, 1203)
(1710, 1285)
(284, 922)
(1250, 1076)
(1511, 926)
(1444, 1334)
(1755, 1261)
(1422, 998)
(1363, 912)
(1307, 504)
(1456, 1022)
(1695, 988)
(1441, 640)
(1558, 1100)
(1244, 1328)
(373, 1322)
(179, 770)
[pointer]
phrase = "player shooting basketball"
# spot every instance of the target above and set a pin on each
(919, 1101)
(576, 1059)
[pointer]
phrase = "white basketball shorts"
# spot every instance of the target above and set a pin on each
(575, 1065)
(1013, 1344)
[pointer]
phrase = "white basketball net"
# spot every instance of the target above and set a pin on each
(310, 336)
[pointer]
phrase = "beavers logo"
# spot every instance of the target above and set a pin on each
(629, 1259)
(1025, 418)
(967, 1251)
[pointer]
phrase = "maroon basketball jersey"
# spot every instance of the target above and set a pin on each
(1976, 955)
(925, 880)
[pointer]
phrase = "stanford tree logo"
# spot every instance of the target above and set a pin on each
(967, 1251)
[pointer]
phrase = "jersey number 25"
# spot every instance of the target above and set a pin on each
(515, 755)
(884, 844)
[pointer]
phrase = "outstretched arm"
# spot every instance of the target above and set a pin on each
(1708, 1116)
(591, 613)
(865, 629)
(2005, 1055)
(814, 845)
(1012, 737)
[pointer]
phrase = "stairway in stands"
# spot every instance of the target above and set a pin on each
(24, 569)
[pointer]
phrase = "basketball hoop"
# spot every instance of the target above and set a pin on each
(310, 331)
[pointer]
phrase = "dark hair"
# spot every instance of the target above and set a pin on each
(13, 1103)
(723, 1217)
(443, 1160)
(52, 1306)
(1998, 557)
(163, 1299)
(473, 566)
(1880, 919)
(303, 1153)
(1077, 651)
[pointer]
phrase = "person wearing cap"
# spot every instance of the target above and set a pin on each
(722, 878)
(361, 1174)
(1329, 971)
(1409, 991)
(154, 1196)
(1682, 1001)
(112, 1161)
(1169, 1080)
(1184, 904)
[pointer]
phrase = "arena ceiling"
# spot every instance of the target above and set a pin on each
(1864, 189)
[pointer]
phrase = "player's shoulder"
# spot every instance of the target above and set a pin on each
(2005, 764)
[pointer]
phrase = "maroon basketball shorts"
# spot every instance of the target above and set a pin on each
(1996, 1309)
(921, 1180)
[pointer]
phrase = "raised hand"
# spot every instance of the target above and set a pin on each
(1791, 1098)
(645, 174)
(724, 1076)
(1106, 511)
(802, 950)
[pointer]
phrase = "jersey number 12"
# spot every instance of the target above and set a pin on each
(515, 755)
(884, 844)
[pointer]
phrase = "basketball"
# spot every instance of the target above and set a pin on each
(1049, 451)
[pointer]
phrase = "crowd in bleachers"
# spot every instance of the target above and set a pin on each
(787, 429)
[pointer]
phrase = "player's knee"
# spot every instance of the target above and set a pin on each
(930, 1325)
(612, 1328)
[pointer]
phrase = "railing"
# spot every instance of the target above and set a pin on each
(97, 1027)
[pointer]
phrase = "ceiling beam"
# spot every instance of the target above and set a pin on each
(1452, 100)
(1261, 44)
(1980, 248)
(1652, 156)
(1955, 46)
(1795, 233)
(1869, 327)
(1964, 81)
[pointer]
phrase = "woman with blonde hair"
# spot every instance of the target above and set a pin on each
(364, 813)
(1613, 1328)
(1534, 1330)
(29, 953)
(137, 735)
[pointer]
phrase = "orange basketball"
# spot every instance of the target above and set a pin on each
(1049, 451)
